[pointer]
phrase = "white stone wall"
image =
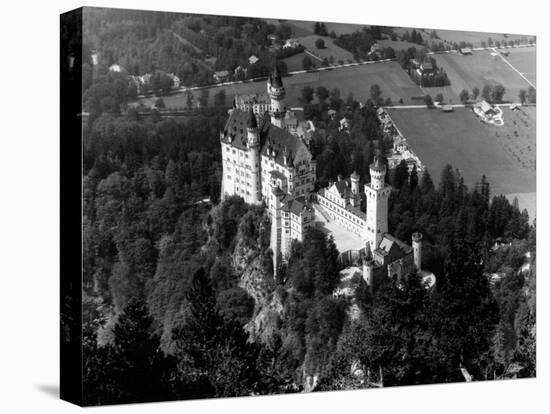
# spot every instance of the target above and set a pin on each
(377, 214)
(239, 177)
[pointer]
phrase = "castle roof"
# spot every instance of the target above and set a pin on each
(278, 142)
(235, 129)
(254, 98)
(342, 188)
(390, 242)
(378, 164)
(251, 123)
(294, 205)
(275, 78)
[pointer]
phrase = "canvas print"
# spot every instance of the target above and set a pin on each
(277, 206)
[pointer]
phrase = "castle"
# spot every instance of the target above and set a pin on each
(265, 161)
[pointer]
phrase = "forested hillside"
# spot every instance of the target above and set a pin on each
(180, 298)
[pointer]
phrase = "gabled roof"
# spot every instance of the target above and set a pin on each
(251, 123)
(275, 78)
(235, 129)
(390, 242)
(280, 142)
(342, 188)
(295, 205)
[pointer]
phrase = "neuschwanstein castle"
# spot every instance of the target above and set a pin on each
(266, 160)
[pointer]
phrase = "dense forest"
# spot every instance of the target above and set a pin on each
(180, 299)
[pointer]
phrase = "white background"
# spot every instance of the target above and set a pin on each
(29, 206)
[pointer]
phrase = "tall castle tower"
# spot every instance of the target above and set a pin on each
(377, 194)
(253, 144)
(276, 92)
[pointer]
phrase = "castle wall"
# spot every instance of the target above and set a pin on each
(346, 218)
(240, 175)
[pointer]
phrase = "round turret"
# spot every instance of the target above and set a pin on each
(354, 183)
(417, 250)
(368, 266)
(377, 173)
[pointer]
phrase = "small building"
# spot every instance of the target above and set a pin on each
(486, 108)
(291, 43)
(465, 50)
(221, 76)
(273, 38)
(253, 59)
(240, 72)
(426, 67)
(447, 108)
(344, 124)
(116, 68)
(175, 81)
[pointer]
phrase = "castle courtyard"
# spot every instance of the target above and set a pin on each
(343, 238)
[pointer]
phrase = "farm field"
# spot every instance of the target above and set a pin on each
(479, 69)
(506, 154)
(524, 60)
(329, 50)
(457, 36)
(393, 82)
(475, 38)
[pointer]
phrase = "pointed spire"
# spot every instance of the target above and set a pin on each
(251, 123)
(378, 164)
(368, 253)
(276, 80)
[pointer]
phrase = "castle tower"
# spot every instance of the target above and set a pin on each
(368, 267)
(417, 250)
(276, 92)
(355, 197)
(377, 194)
(253, 144)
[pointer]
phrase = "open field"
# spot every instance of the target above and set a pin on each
(479, 69)
(524, 60)
(294, 62)
(475, 38)
(329, 50)
(393, 82)
(457, 36)
(506, 154)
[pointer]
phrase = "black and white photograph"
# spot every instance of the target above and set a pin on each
(275, 206)
(262, 207)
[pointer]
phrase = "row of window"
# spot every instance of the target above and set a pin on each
(350, 216)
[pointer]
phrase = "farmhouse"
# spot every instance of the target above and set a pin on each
(291, 43)
(487, 109)
(465, 51)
